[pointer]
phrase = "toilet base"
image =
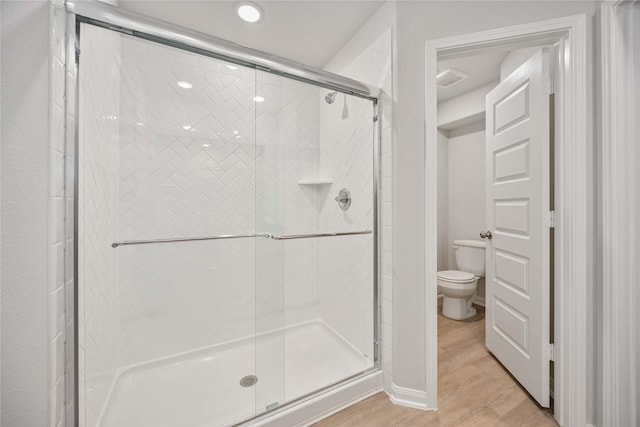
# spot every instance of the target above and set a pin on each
(458, 308)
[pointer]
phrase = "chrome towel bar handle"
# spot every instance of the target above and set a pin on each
(239, 236)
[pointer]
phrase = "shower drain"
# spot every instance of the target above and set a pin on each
(248, 381)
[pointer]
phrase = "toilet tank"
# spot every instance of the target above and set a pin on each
(470, 256)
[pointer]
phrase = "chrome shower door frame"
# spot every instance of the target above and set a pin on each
(115, 19)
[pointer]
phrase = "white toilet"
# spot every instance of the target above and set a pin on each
(459, 286)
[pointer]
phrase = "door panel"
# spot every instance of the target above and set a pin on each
(517, 179)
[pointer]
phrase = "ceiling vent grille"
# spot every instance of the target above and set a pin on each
(449, 77)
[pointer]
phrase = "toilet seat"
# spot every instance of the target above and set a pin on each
(456, 276)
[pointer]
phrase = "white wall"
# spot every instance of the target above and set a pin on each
(466, 178)
(418, 22)
(443, 202)
(463, 109)
(514, 59)
(25, 191)
(414, 23)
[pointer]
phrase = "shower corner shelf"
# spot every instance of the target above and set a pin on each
(315, 181)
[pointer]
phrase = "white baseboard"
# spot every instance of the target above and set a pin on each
(479, 301)
(408, 397)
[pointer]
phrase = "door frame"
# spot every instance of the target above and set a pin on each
(618, 231)
(574, 201)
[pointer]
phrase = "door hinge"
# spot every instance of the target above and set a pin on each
(550, 86)
(375, 118)
(549, 352)
(550, 219)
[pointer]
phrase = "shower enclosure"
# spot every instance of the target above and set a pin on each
(226, 259)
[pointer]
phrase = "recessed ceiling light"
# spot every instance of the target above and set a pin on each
(206, 145)
(232, 67)
(185, 85)
(248, 12)
(258, 98)
(186, 127)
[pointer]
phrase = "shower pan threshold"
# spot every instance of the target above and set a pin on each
(202, 387)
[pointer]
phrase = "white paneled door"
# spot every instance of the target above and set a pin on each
(518, 254)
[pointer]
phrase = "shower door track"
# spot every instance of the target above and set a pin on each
(115, 19)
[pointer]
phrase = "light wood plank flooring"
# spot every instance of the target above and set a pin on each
(474, 389)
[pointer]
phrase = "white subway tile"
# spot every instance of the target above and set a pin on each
(387, 189)
(56, 312)
(56, 220)
(386, 238)
(57, 82)
(56, 128)
(386, 140)
(69, 219)
(56, 266)
(387, 164)
(56, 184)
(57, 359)
(57, 402)
(387, 287)
(386, 265)
(387, 214)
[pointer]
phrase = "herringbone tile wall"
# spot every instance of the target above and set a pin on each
(345, 288)
(210, 160)
(187, 168)
(374, 67)
(98, 218)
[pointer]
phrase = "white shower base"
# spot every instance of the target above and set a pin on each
(201, 388)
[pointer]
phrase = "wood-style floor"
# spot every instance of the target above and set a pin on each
(473, 389)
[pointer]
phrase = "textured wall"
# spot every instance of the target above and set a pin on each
(288, 151)
(25, 192)
(187, 168)
(206, 161)
(98, 218)
(346, 289)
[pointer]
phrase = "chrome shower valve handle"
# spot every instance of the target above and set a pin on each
(344, 199)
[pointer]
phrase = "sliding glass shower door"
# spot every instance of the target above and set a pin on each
(218, 276)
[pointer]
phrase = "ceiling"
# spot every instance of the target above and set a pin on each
(482, 69)
(306, 31)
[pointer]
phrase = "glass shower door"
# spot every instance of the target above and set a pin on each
(226, 236)
(175, 327)
(315, 275)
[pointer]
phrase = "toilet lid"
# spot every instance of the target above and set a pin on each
(456, 276)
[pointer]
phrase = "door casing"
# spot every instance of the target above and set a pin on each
(574, 183)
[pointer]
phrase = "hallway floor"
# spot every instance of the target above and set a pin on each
(474, 389)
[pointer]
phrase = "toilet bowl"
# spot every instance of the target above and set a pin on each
(459, 289)
(459, 286)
